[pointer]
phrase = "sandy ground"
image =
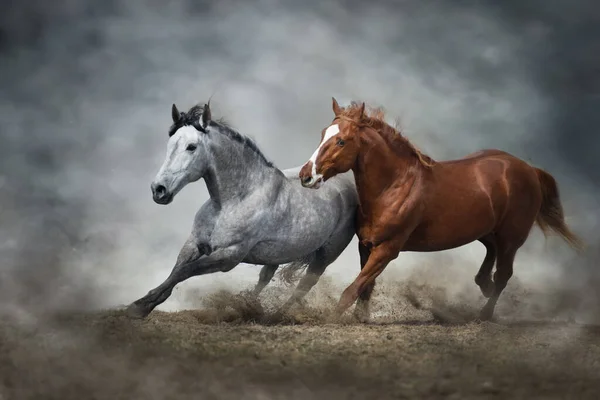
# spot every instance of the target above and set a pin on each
(233, 350)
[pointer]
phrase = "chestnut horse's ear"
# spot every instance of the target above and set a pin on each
(175, 114)
(206, 117)
(337, 110)
(362, 110)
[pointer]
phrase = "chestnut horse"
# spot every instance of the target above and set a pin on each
(409, 202)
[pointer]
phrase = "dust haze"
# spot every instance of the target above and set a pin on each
(85, 107)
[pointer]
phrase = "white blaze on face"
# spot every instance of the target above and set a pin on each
(329, 133)
(177, 160)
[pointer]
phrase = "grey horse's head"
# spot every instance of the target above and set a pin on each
(187, 153)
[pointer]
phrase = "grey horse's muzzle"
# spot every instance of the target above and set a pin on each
(160, 194)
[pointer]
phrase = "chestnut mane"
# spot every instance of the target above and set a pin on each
(374, 118)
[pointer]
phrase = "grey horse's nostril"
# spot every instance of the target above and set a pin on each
(160, 190)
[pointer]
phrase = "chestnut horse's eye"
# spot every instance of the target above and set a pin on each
(191, 148)
(340, 142)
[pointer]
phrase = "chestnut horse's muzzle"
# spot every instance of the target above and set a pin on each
(306, 176)
(310, 182)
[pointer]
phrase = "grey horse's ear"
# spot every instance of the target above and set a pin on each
(206, 117)
(175, 113)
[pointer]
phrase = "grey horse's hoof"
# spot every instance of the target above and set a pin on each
(136, 311)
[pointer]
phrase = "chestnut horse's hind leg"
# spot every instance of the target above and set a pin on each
(504, 271)
(483, 279)
(361, 311)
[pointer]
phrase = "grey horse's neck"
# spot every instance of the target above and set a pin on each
(237, 170)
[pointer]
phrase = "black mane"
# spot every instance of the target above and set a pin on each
(195, 113)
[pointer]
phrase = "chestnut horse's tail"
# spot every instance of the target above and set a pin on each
(550, 216)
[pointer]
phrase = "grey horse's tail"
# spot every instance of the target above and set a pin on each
(290, 273)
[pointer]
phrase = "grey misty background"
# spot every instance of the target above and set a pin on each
(86, 90)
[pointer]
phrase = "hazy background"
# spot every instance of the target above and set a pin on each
(85, 96)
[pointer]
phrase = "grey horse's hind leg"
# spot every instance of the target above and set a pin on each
(313, 273)
(266, 274)
(323, 258)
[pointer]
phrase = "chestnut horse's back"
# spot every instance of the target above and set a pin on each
(551, 216)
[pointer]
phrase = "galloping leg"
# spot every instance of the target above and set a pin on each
(189, 263)
(483, 279)
(313, 272)
(323, 258)
(361, 311)
(266, 274)
(504, 271)
(379, 258)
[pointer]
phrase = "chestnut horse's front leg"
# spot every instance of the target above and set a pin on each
(379, 258)
(362, 309)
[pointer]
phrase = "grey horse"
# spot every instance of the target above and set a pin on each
(256, 214)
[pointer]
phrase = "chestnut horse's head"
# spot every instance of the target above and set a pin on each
(337, 151)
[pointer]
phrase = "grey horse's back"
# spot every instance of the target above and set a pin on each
(292, 173)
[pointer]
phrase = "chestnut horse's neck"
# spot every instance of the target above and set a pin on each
(385, 159)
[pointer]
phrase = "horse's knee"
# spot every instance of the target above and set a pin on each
(487, 287)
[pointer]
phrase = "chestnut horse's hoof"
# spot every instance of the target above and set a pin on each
(361, 315)
(362, 319)
(136, 311)
(486, 315)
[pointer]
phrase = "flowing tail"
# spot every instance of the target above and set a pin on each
(551, 216)
(290, 273)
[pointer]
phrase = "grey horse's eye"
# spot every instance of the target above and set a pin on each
(191, 148)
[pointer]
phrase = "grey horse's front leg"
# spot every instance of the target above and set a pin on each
(189, 263)
(266, 274)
